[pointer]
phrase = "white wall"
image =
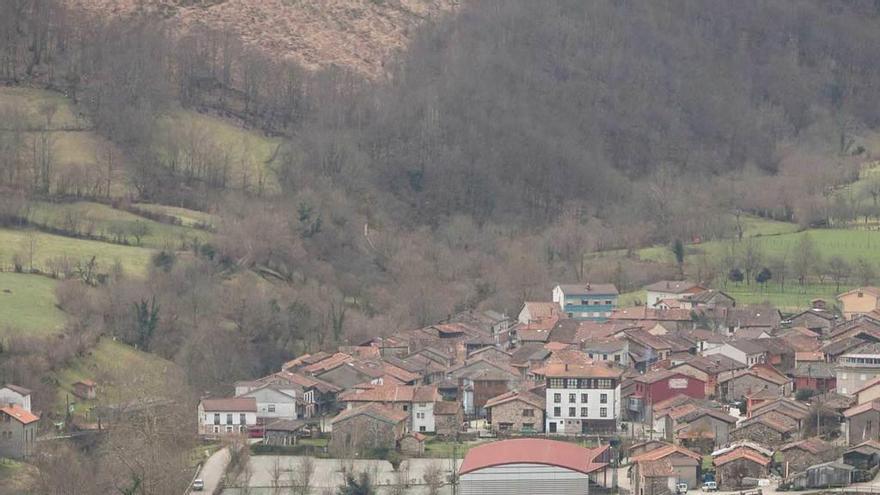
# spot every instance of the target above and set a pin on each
(426, 411)
(729, 351)
(206, 420)
(283, 404)
(593, 404)
(524, 479)
(9, 396)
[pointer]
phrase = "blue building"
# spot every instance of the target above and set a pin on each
(586, 301)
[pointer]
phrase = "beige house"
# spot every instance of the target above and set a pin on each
(868, 392)
(859, 301)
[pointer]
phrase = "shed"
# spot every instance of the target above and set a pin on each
(413, 443)
(282, 431)
(864, 455)
(85, 389)
(528, 466)
(825, 475)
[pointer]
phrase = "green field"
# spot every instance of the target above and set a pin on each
(186, 135)
(48, 247)
(103, 220)
(34, 104)
(27, 305)
(187, 217)
(121, 372)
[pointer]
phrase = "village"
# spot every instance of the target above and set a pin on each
(688, 391)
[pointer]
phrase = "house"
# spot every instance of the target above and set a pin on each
(753, 379)
(645, 317)
(282, 432)
(581, 398)
(227, 416)
(868, 392)
(516, 411)
(586, 301)
(857, 367)
(825, 475)
(656, 386)
(745, 351)
(85, 389)
(15, 395)
(794, 410)
(18, 431)
(733, 466)
(366, 428)
(818, 376)
(771, 429)
(448, 417)
(859, 301)
(653, 477)
(685, 465)
(707, 299)
(413, 443)
(645, 349)
(529, 466)
(416, 401)
(699, 428)
(864, 455)
(273, 402)
(817, 320)
(863, 422)
(532, 311)
(798, 456)
(709, 369)
(314, 397)
(670, 289)
(481, 379)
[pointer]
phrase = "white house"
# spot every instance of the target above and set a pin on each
(229, 416)
(273, 402)
(13, 394)
(537, 310)
(669, 290)
(581, 399)
(423, 417)
(745, 351)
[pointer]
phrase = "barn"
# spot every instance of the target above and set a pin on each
(529, 466)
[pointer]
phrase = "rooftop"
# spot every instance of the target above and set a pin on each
(588, 289)
(673, 286)
(531, 451)
(242, 404)
(562, 370)
(20, 414)
(742, 453)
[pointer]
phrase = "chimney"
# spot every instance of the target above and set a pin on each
(566, 366)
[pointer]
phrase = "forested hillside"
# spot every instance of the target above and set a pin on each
(227, 202)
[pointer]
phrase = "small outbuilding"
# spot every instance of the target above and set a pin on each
(865, 455)
(742, 462)
(413, 444)
(283, 432)
(85, 389)
(528, 466)
(826, 475)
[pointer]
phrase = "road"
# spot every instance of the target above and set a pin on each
(213, 469)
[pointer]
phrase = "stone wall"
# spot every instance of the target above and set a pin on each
(361, 433)
(512, 412)
(760, 434)
(743, 385)
(730, 475)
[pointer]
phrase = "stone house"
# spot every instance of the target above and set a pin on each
(771, 429)
(653, 477)
(864, 455)
(863, 422)
(18, 432)
(365, 428)
(751, 380)
(448, 417)
(15, 395)
(685, 463)
(742, 462)
(413, 444)
(800, 455)
(702, 429)
(816, 320)
(85, 389)
(792, 409)
(516, 412)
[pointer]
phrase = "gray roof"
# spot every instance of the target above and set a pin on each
(672, 286)
(814, 370)
(589, 289)
(750, 346)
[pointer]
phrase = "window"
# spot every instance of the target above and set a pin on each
(228, 428)
(557, 398)
(216, 418)
(271, 407)
(603, 412)
(557, 383)
(571, 383)
(605, 357)
(216, 429)
(597, 303)
(605, 383)
(585, 398)
(572, 397)
(617, 358)
(405, 407)
(528, 413)
(423, 428)
(572, 411)
(557, 411)
(603, 399)
(229, 418)
(863, 377)
(585, 302)
(242, 429)
(584, 412)
(528, 427)
(420, 415)
(609, 302)
(242, 419)
(843, 376)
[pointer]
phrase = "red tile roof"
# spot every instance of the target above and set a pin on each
(656, 469)
(562, 370)
(531, 451)
(527, 397)
(874, 405)
(20, 414)
(742, 453)
(377, 411)
(247, 404)
(664, 452)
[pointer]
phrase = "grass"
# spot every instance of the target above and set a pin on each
(16, 476)
(794, 297)
(27, 305)
(187, 217)
(444, 448)
(248, 153)
(122, 373)
(100, 219)
(31, 102)
(47, 247)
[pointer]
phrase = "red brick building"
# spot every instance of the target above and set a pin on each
(659, 385)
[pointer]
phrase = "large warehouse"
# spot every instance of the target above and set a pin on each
(529, 466)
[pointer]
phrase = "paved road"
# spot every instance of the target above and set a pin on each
(213, 469)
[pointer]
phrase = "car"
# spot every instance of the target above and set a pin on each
(710, 486)
(681, 487)
(198, 485)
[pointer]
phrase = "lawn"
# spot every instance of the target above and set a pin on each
(187, 217)
(121, 372)
(186, 135)
(27, 305)
(47, 247)
(794, 297)
(103, 220)
(33, 102)
(443, 449)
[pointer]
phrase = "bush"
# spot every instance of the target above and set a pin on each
(804, 394)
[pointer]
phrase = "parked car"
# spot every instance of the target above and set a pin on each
(198, 485)
(681, 487)
(710, 486)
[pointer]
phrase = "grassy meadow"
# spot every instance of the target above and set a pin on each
(28, 305)
(187, 217)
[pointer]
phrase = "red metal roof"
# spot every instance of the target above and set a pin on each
(20, 414)
(532, 451)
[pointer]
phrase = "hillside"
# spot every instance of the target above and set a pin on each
(358, 34)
